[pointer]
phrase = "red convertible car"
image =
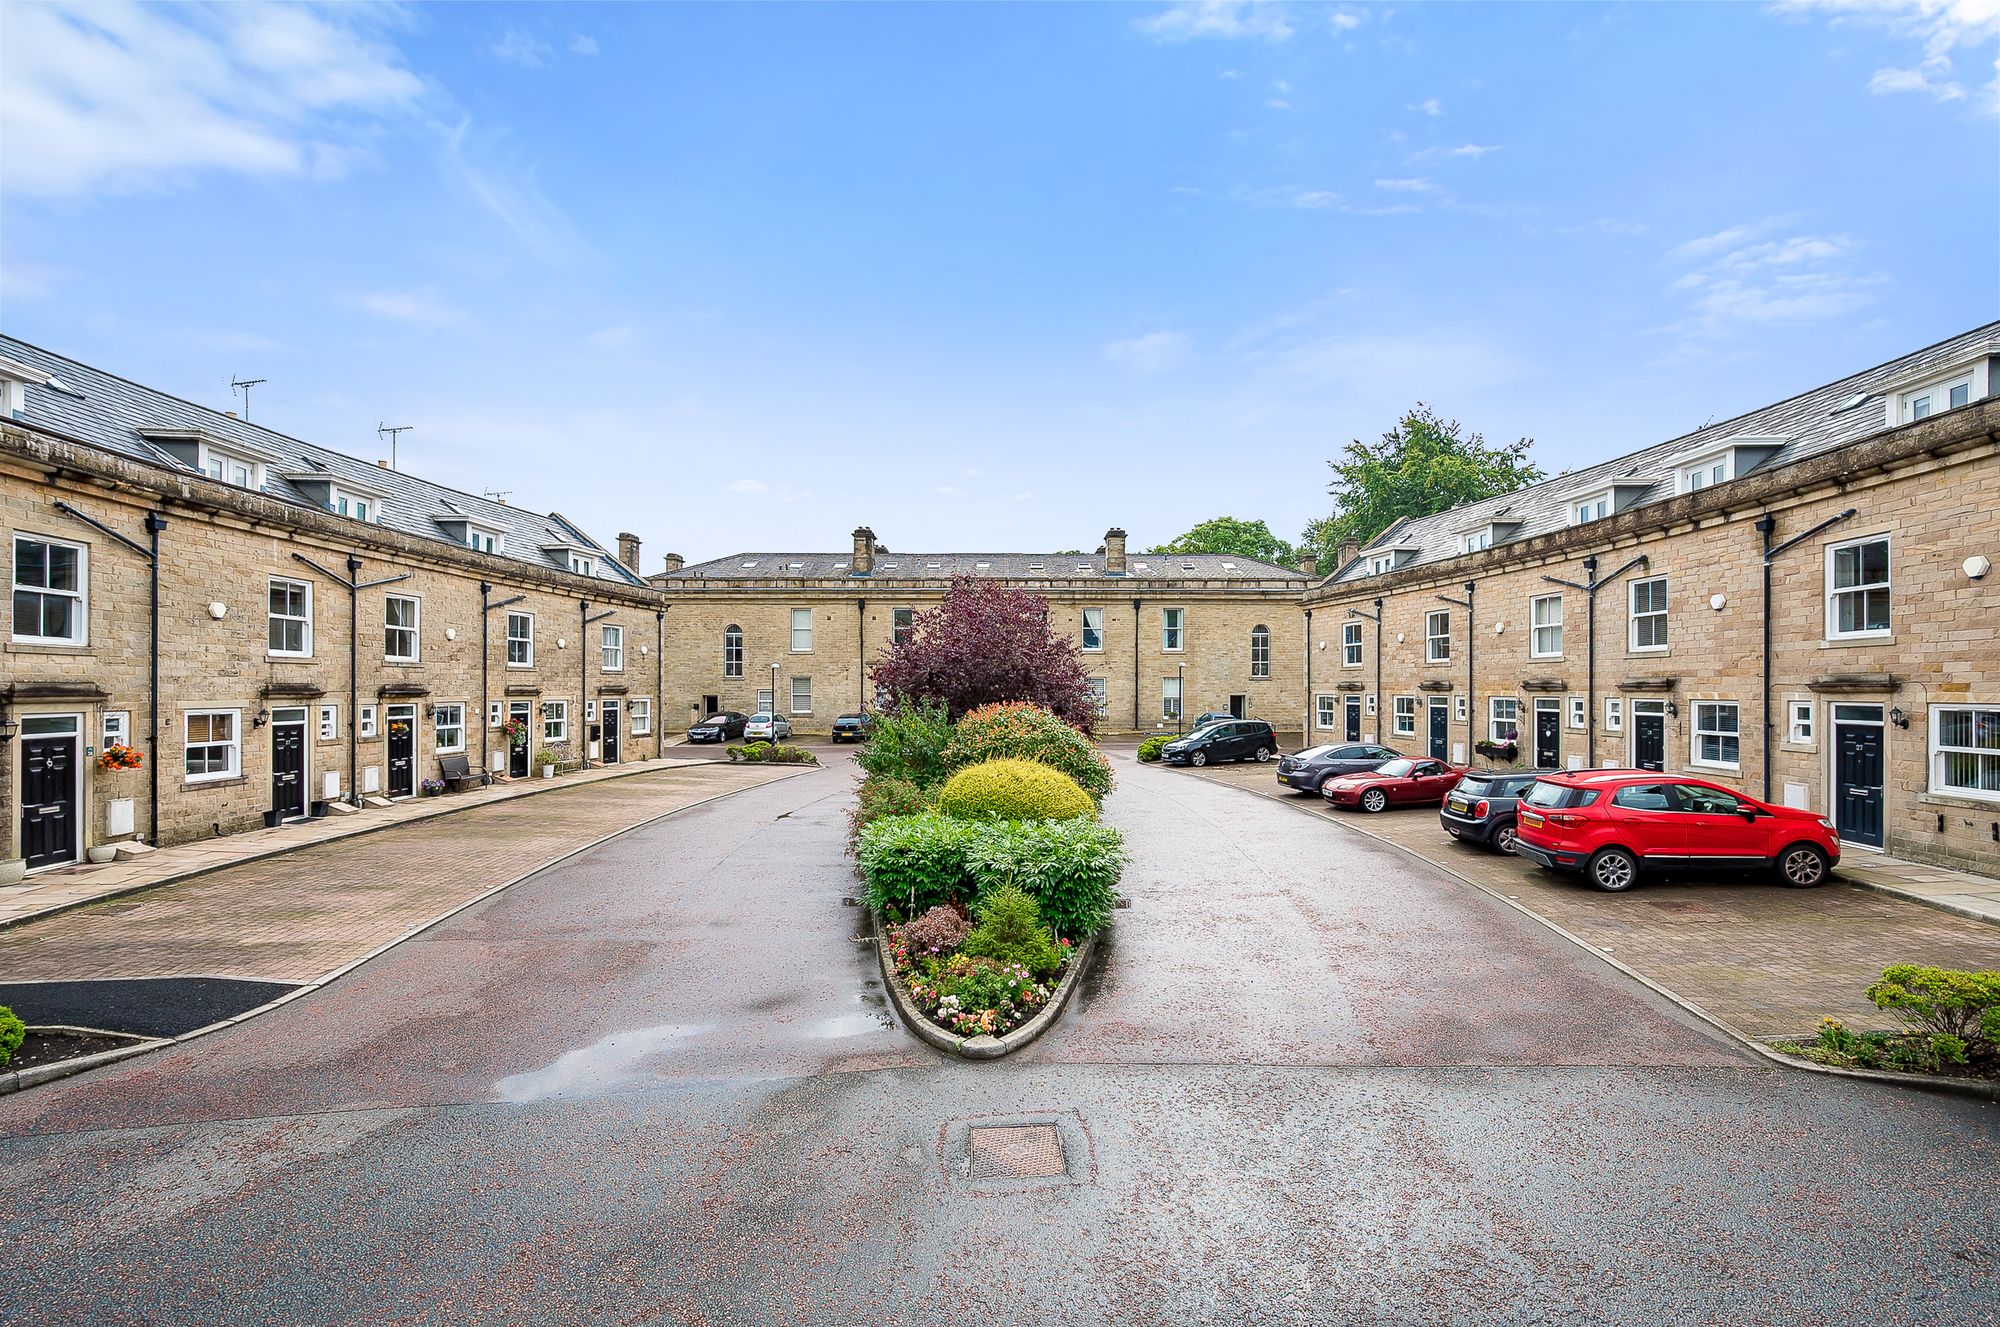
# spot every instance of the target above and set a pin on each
(1398, 783)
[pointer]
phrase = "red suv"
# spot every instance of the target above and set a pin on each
(1611, 824)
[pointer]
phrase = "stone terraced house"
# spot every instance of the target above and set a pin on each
(278, 685)
(1164, 636)
(1798, 602)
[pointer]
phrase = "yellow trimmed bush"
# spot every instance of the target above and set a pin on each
(1014, 790)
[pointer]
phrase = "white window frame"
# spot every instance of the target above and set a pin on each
(1092, 629)
(1326, 710)
(639, 716)
(1404, 719)
(233, 747)
(1579, 713)
(1170, 698)
(732, 645)
(1350, 645)
(327, 723)
(1459, 707)
(415, 629)
(1939, 753)
(1437, 644)
(1100, 695)
(590, 711)
(1633, 616)
(496, 713)
(448, 717)
(1801, 723)
(1382, 565)
(1614, 714)
(1545, 638)
(1503, 715)
(80, 618)
(1584, 510)
(115, 727)
(902, 625)
(1934, 397)
(1368, 705)
(305, 622)
(807, 683)
(1885, 585)
(611, 643)
(1476, 541)
(1260, 650)
(1173, 630)
(555, 721)
(802, 629)
(527, 642)
(1697, 731)
(1702, 472)
(367, 725)
(582, 564)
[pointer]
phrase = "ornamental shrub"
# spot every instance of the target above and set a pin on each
(879, 797)
(914, 863)
(1010, 930)
(937, 933)
(1068, 866)
(1942, 1002)
(773, 753)
(1151, 748)
(1013, 790)
(908, 743)
(1018, 731)
(12, 1032)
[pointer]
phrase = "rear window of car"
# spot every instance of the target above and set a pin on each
(1479, 787)
(1556, 797)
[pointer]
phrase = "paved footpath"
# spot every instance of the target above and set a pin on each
(1313, 1082)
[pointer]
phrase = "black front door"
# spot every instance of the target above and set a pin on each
(610, 709)
(1354, 718)
(1440, 731)
(1239, 706)
(1548, 737)
(288, 767)
(48, 800)
(517, 748)
(402, 751)
(1857, 804)
(1649, 741)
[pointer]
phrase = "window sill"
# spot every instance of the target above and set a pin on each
(1735, 771)
(1647, 652)
(274, 657)
(216, 781)
(1849, 642)
(521, 667)
(402, 663)
(1546, 658)
(39, 646)
(1985, 804)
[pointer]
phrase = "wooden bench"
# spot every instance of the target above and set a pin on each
(457, 772)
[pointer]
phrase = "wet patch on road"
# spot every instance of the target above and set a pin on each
(143, 1006)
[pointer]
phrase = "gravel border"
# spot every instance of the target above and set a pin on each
(985, 1046)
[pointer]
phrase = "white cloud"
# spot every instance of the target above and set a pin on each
(1938, 27)
(1429, 106)
(1347, 20)
(1155, 352)
(414, 308)
(613, 338)
(517, 47)
(1278, 104)
(1412, 186)
(1462, 150)
(583, 45)
(507, 189)
(1915, 80)
(1228, 19)
(1739, 280)
(126, 98)
(750, 487)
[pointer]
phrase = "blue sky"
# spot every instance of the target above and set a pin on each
(987, 277)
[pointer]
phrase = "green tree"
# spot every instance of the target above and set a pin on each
(1422, 466)
(1226, 534)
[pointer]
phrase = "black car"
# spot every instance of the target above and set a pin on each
(1213, 716)
(719, 727)
(1481, 808)
(1307, 770)
(853, 727)
(1237, 739)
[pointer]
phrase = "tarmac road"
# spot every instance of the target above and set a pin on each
(1312, 1082)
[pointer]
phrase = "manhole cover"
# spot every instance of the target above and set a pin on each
(1015, 1151)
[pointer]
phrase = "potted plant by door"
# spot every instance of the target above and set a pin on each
(546, 761)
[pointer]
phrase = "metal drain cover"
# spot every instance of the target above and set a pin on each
(1014, 1151)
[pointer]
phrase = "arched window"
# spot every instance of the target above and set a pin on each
(1260, 651)
(732, 651)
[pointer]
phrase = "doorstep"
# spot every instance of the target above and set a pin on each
(68, 887)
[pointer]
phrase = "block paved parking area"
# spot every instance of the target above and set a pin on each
(1765, 960)
(297, 917)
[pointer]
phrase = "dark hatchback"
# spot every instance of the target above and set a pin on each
(853, 728)
(1238, 739)
(1307, 770)
(719, 727)
(1482, 808)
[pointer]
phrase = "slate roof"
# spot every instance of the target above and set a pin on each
(1140, 567)
(107, 411)
(1812, 423)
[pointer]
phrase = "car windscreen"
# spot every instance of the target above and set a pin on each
(1397, 768)
(1555, 796)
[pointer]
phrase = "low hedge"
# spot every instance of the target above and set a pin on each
(773, 753)
(12, 1032)
(1019, 731)
(1150, 750)
(1069, 867)
(1014, 790)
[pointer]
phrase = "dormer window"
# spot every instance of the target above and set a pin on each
(1591, 509)
(1734, 460)
(1941, 390)
(1944, 396)
(583, 564)
(1384, 562)
(475, 536)
(365, 508)
(226, 460)
(1478, 541)
(1705, 473)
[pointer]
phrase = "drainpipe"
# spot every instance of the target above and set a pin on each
(660, 685)
(861, 658)
(1767, 525)
(1379, 697)
(1305, 732)
(1590, 590)
(486, 608)
(583, 672)
(1135, 667)
(1471, 587)
(354, 585)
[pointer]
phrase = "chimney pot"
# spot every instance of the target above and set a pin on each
(381, 464)
(230, 413)
(863, 561)
(674, 563)
(1114, 551)
(1349, 550)
(628, 550)
(1308, 565)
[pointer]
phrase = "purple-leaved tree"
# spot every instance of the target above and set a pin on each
(988, 643)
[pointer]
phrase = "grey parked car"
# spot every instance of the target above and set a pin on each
(1307, 770)
(1481, 809)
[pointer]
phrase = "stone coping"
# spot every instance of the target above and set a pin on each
(984, 1046)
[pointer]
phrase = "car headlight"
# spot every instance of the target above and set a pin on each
(1824, 823)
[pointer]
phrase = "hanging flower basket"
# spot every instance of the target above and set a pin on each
(515, 730)
(1509, 749)
(118, 756)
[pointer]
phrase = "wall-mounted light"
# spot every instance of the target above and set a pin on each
(218, 610)
(1897, 717)
(451, 633)
(1975, 567)
(430, 709)
(9, 726)
(561, 643)
(1499, 627)
(263, 717)
(1716, 602)
(1399, 638)
(645, 650)
(1673, 710)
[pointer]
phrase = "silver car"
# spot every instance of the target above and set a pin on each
(766, 727)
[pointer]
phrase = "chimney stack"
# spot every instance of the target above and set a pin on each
(674, 563)
(628, 551)
(1349, 550)
(1308, 565)
(863, 562)
(1114, 551)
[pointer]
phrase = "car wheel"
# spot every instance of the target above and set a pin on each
(1503, 839)
(1374, 800)
(1613, 870)
(1263, 755)
(1198, 759)
(1802, 866)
